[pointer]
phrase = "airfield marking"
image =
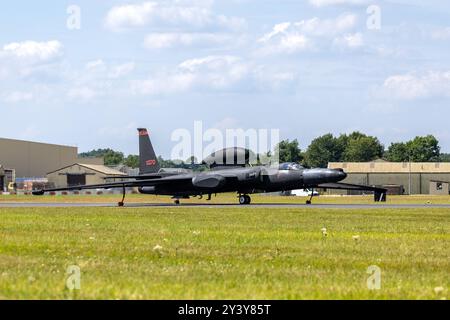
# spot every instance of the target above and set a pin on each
(223, 205)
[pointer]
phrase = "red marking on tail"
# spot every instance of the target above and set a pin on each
(143, 132)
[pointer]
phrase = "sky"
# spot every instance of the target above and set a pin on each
(88, 73)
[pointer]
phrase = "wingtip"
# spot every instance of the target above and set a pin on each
(38, 192)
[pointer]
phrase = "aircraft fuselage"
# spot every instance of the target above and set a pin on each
(245, 180)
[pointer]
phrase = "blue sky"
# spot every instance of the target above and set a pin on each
(305, 67)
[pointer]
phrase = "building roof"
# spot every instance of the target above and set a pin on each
(99, 168)
(439, 181)
(392, 167)
(36, 142)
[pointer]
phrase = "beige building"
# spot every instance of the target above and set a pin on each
(80, 174)
(440, 188)
(34, 159)
(415, 178)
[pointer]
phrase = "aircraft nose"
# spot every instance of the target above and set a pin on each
(340, 174)
(317, 176)
(335, 175)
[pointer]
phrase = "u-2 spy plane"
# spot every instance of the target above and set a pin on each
(225, 175)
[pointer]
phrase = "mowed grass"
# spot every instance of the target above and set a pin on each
(224, 253)
(226, 198)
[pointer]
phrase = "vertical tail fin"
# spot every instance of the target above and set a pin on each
(148, 162)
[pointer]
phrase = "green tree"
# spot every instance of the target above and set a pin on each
(324, 149)
(424, 149)
(111, 157)
(289, 151)
(420, 149)
(132, 161)
(191, 160)
(362, 148)
(397, 152)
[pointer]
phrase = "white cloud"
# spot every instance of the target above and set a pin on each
(98, 69)
(170, 40)
(209, 62)
(17, 96)
(324, 3)
(351, 41)
(31, 60)
(211, 72)
(231, 23)
(412, 86)
(32, 51)
(133, 15)
(98, 79)
(121, 70)
(96, 64)
(214, 73)
(290, 37)
(174, 13)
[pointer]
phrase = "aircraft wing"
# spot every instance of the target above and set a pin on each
(141, 177)
(379, 193)
(121, 184)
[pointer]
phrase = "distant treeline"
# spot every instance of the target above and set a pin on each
(354, 147)
(359, 147)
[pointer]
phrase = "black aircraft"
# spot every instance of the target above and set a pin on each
(229, 172)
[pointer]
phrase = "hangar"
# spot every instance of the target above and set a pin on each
(34, 159)
(412, 178)
(81, 174)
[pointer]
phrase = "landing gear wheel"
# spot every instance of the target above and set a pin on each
(121, 204)
(177, 202)
(244, 199)
(308, 202)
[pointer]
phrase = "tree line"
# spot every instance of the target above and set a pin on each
(359, 147)
(353, 147)
(115, 158)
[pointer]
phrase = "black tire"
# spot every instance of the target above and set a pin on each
(243, 199)
(248, 199)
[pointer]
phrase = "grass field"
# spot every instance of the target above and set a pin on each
(226, 253)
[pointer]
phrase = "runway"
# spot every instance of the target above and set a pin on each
(224, 205)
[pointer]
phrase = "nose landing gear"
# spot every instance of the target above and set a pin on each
(244, 199)
(309, 201)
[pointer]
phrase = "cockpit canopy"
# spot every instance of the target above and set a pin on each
(229, 157)
(290, 166)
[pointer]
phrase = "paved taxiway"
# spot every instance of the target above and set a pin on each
(206, 205)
